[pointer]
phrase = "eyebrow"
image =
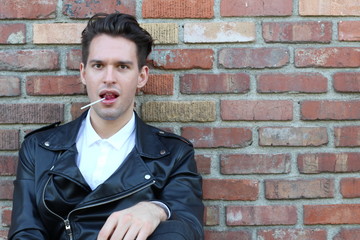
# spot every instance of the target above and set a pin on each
(118, 62)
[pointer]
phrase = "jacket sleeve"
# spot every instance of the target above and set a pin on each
(25, 221)
(183, 195)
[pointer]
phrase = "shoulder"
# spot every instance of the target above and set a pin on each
(172, 136)
(43, 129)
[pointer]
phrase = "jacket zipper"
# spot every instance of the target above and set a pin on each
(67, 221)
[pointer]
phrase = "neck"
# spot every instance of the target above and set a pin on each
(107, 128)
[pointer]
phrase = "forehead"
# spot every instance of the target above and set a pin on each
(105, 46)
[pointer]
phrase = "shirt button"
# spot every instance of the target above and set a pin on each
(147, 176)
(47, 144)
(162, 152)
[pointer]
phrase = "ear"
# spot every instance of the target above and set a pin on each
(143, 76)
(82, 73)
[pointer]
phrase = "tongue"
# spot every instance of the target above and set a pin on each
(109, 96)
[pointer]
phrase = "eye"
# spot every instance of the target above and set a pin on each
(123, 66)
(97, 66)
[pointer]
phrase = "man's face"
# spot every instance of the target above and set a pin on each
(112, 72)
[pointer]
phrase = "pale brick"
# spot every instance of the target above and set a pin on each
(57, 33)
(238, 8)
(162, 33)
(329, 7)
(219, 32)
(201, 111)
(9, 86)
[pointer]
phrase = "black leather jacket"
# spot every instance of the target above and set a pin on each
(53, 201)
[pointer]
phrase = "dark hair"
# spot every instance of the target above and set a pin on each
(117, 24)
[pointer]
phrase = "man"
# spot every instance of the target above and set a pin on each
(107, 174)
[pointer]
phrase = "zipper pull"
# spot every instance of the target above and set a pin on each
(68, 228)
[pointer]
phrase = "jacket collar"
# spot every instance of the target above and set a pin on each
(147, 140)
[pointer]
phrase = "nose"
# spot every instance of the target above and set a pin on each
(109, 77)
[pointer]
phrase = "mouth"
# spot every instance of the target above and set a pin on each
(110, 96)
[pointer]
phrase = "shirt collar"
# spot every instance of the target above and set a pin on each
(116, 140)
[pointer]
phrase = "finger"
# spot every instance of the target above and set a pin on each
(108, 228)
(132, 232)
(122, 227)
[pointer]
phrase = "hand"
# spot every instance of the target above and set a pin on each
(134, 223)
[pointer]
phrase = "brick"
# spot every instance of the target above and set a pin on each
(53, 33)
(230, 189)
(54, 85)
(182, 58)
(260, 215)
(264, 110)
(294, 32)
(9, 86)
(177, 9)
(6, 217)
(330, 110)
(209, 137)
(13, 33)
(253, 57)
(292, 83)
(219, 32)
(238, 8)
(87, 8)
(198, 111)
(211, 215)
(73, 59)
(203, 163)
(329, 57)
(349, 31)
(215, 83)
(159, 84)
(299, 188)
(292, 234)
(8, 164)
(328, 162)
(9, 139)
(293, 136)
(347, 82)
(31, 113)
(329, 8)
(332, 214)
(29, 60)
(348, 136)
(163, 33)
(233, 235)
(348, 234)
(34, 9)
(350, 187)
(75, 110)
(255, 163)
(6, 189)
(4, 234)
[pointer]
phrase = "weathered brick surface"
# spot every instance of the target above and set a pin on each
(253, 57)
(347, 136)
(215, 83)
(332, 214)
(292, 234)
(255, 163)
(12, 33)
(207, 137)
(35, 9)
(178, 111)
(219, 32)
(329, 8)
(54, 85)
(9, 139)
(291, 32)
(203, 164)
(349, 30)
(85, 9)
(261, 215)
(163, 33)
(292, 83)
(295, 189)
(54, 33)
(337, 57)
(346, 82)
(73, 59)
(9, 86)
(350, 187)
(27, 60)
(292, 136)
(256, 110)
(330, 110)
(177, 9)
(8, 163)
(328, 162)
(348, 234)
(211, 215)
(234, 235)
(230, 189)
(6, 189)
(6, 216)
(159, 84)
(233, 8)
(182, 58)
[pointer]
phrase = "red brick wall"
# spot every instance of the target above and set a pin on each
(267, 90)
